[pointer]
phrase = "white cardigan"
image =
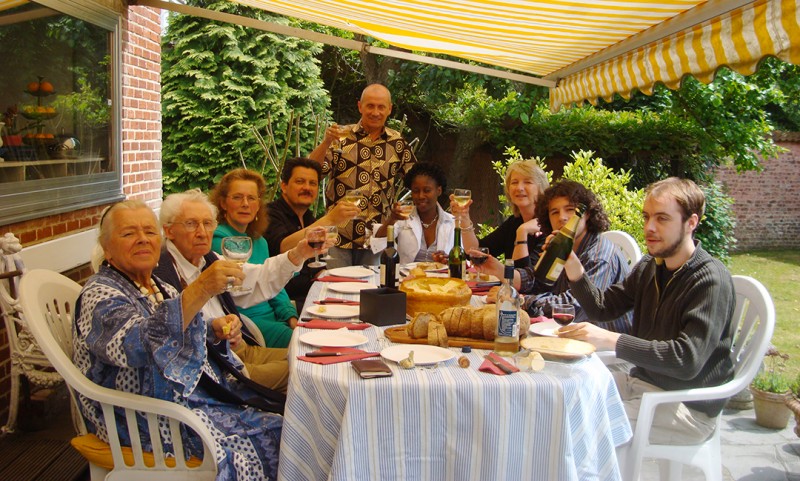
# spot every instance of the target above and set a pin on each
(408, 235)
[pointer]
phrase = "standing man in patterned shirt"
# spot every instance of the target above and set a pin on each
(369, 160)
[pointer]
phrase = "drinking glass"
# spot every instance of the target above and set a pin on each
(478, 256)
(406, 207)
(237, 249)
(331, 235)
(461, 196)
(563, 314)
(354, 197)
(343, 133)
(315, 238)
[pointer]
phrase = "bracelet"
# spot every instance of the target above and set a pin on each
(520, 242)
(471, 227)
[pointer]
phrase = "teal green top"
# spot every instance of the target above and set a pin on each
(272, 316)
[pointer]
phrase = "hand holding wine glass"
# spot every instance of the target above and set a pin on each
(341, 134)
(237, 249)
(331, 237)
(316, 238)
(406, 207)
(354, 197)
(563, 314)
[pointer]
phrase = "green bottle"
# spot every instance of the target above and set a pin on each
(551, 263)
(457, 259)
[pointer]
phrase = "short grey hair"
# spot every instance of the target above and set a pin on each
(173, 203)
(106, 227)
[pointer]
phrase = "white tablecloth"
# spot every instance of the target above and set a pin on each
(449, 423)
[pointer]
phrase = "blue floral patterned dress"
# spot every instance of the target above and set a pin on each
(123, 341)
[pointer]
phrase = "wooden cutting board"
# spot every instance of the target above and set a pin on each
(398, 334)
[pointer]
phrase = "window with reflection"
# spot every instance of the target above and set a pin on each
(57, 108)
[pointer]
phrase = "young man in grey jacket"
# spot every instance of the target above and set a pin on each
(682, 300)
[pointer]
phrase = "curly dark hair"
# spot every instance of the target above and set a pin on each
(596, 220)
(428, 169)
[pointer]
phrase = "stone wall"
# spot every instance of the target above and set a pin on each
(141, 153)
(765, 203)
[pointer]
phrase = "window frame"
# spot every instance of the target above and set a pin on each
(33, 199)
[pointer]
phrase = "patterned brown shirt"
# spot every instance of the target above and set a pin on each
(371, 167)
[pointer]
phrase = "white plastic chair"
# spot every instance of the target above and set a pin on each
(48, 299)
(628, 245)
(755, 317)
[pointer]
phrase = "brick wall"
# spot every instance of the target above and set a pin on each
(765, 203)
(141, 153)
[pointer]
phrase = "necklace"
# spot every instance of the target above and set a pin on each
(429, 223)
(155, 297)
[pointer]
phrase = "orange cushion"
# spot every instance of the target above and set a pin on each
(98, 453)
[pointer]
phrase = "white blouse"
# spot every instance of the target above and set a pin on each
(409, 238)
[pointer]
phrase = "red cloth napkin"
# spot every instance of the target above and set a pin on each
(477, 290)
(338, 279)
(351, 354)
(334, 300)
(536, 319)
(323, 324)
(487, 365)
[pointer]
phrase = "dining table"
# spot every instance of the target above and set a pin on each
(442, 421)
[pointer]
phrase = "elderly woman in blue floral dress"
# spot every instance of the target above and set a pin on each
(134, 333)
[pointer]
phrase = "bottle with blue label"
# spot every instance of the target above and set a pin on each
(506, 340)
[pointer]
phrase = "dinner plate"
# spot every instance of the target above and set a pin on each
(334, 311)
(423, 355)
(558, 348)
(546, 328)
(355, 272)
(333, 338)
(350, 287)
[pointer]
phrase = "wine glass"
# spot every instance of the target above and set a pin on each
(331, 235)
(315, 238)
(237, 249)
(461, 196)
(343, 133)
(406, 207)
(354, 197)
(563, 314)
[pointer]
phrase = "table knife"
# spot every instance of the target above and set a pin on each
(499, 365)
(322, 354)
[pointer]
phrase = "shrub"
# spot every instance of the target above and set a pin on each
(715, 231)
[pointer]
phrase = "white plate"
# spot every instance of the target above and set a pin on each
(351, 271)
(438, 266)
(546, 328)
(332, 311)
(334, 338)
(423, 355)
(350, 287)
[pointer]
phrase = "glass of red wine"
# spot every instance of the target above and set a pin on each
(563, 314)
(316, 238)
(478, 256)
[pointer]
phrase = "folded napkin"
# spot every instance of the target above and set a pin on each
(349, 354)
(335, 300)
(490, 367)
(338, 279)
(536, 319)
(480, 288)
(324, 324)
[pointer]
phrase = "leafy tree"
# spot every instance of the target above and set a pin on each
(220, 81)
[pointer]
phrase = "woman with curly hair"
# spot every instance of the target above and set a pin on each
(242, 211)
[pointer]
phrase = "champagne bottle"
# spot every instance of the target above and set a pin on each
(457, 259)
(506, 340)
(551, 263)
(389, 260)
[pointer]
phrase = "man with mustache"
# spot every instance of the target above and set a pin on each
(291, 215)
(682, 301)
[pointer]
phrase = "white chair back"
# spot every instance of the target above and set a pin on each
(48, 300)
(755, 318)
(626, 242)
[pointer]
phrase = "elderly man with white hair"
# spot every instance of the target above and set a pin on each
(188, 220)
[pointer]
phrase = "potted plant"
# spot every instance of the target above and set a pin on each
(792, 401)
(770, 389)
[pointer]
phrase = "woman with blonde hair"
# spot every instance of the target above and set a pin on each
(242, 211)
(518, 237)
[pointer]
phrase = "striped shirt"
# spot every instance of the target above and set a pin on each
(604, 265)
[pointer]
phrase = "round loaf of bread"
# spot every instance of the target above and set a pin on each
(434, 294)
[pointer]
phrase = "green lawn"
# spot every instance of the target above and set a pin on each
(779, 271)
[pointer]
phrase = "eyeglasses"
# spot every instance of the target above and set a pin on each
(192, 225)
(239, 198)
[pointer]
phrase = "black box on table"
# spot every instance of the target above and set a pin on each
(382, 306)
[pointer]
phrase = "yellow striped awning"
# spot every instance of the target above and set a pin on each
(588, 49)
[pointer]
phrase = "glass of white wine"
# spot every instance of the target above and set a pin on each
(343, 133)
(331, 235)
(461, 196)
(316, 238)
(406, 207)
(237, 249)
(354, 197)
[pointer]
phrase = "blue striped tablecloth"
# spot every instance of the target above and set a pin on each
(449, 423)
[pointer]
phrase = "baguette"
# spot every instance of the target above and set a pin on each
(476, 322)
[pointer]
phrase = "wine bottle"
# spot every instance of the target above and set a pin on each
(457, 259)
(506, 339)
(389, 260)
(551, 263)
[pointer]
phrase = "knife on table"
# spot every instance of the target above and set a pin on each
(322, 354)
(499, 365)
